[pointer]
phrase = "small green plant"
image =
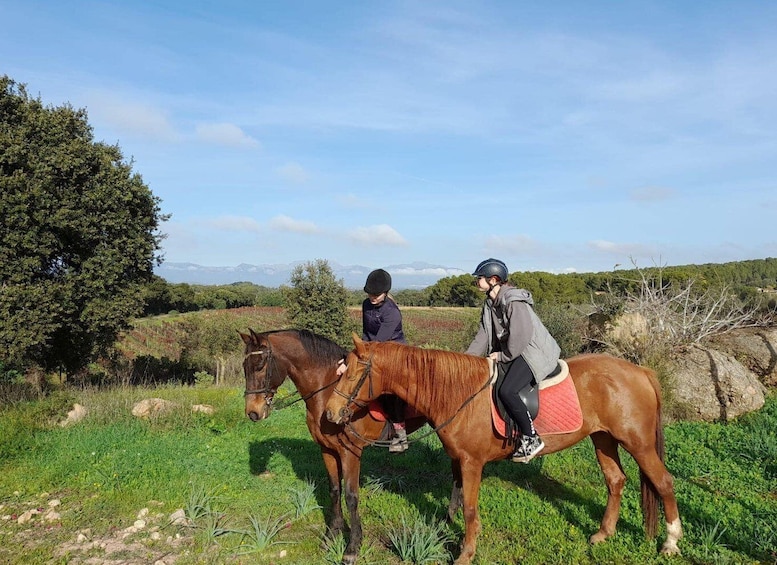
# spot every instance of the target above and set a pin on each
(373, 484)
(211, 527)
(203, 378)
(334, 551)
(710, 539)
(304, 499)
(262, 533)
(200, 504)
(419, 542)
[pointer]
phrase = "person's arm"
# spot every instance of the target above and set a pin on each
(520, 331)
(364, 321)
(391, 320)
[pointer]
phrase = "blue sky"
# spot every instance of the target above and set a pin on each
(557, 136)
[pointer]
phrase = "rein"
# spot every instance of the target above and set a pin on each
(379, 443)
(282, 403)
(351, 399)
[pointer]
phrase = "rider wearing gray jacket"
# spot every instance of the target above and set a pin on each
(511, 333)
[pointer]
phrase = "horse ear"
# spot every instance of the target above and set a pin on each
(246, 337)
(361, 349)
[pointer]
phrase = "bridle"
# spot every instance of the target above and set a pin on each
(272, 368)
(269, 392)
(351, 399)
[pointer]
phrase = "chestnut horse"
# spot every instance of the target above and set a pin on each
(309, 360)
(620, 402)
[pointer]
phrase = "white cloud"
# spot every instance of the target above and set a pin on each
(382, 234)
(293, 172)
(130, 118)
(621, 249)
(511, 244)
(651, 193)
(285, 223)
(352, 200)
(235, 223)
(225, 134)
(436, 271)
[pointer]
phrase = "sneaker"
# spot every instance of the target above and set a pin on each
(529, 448)
(399, 442)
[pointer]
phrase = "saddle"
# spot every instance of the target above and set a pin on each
(559, 413)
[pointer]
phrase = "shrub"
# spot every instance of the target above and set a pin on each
(316, 301)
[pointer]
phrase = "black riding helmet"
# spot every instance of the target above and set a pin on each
(378, 282)
(491, 268)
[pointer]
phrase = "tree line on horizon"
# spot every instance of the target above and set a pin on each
(750, 280)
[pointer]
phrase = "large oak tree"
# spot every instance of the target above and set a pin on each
(78, 236)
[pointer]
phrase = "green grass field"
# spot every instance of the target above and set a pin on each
(107, 488)
(255, 490)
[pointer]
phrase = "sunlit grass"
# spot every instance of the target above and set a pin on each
(252, 486)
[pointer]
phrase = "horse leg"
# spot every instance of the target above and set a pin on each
(351, 465)
(456, 500)
(610, 463)
(653, 469)
(471, 474)
(336, 522)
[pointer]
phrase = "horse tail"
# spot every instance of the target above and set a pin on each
(650, 496)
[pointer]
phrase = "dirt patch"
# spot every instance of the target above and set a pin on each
(154, 537)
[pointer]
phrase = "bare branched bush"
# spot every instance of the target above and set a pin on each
(661, 317)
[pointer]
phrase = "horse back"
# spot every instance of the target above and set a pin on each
(613, 388)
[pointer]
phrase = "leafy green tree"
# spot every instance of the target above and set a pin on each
(78, 236)
(316, 301)
(412, 297)
(455, 291)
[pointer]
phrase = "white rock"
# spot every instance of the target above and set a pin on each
(152, 407)
(52, 516)
(75, 415)
(26, 516)
(178, 518)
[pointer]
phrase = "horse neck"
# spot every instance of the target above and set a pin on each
(432, 386)
(307, 373)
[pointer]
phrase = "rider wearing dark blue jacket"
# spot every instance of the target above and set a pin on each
(382, 321)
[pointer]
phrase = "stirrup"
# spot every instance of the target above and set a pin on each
(399, 442)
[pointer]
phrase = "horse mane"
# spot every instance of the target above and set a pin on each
(320, 348)
(445, 379)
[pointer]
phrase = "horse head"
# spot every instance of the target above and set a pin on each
(261, 373)
(350, 392)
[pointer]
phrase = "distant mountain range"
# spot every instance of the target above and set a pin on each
(413, 275)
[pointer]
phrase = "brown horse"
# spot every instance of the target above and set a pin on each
(620, 401)
(309, 360)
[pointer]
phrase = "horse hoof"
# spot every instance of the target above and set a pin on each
(598, 537)
(349, 559)
(670, 549)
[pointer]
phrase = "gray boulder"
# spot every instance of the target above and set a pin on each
(755, 348)
(711, 385)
